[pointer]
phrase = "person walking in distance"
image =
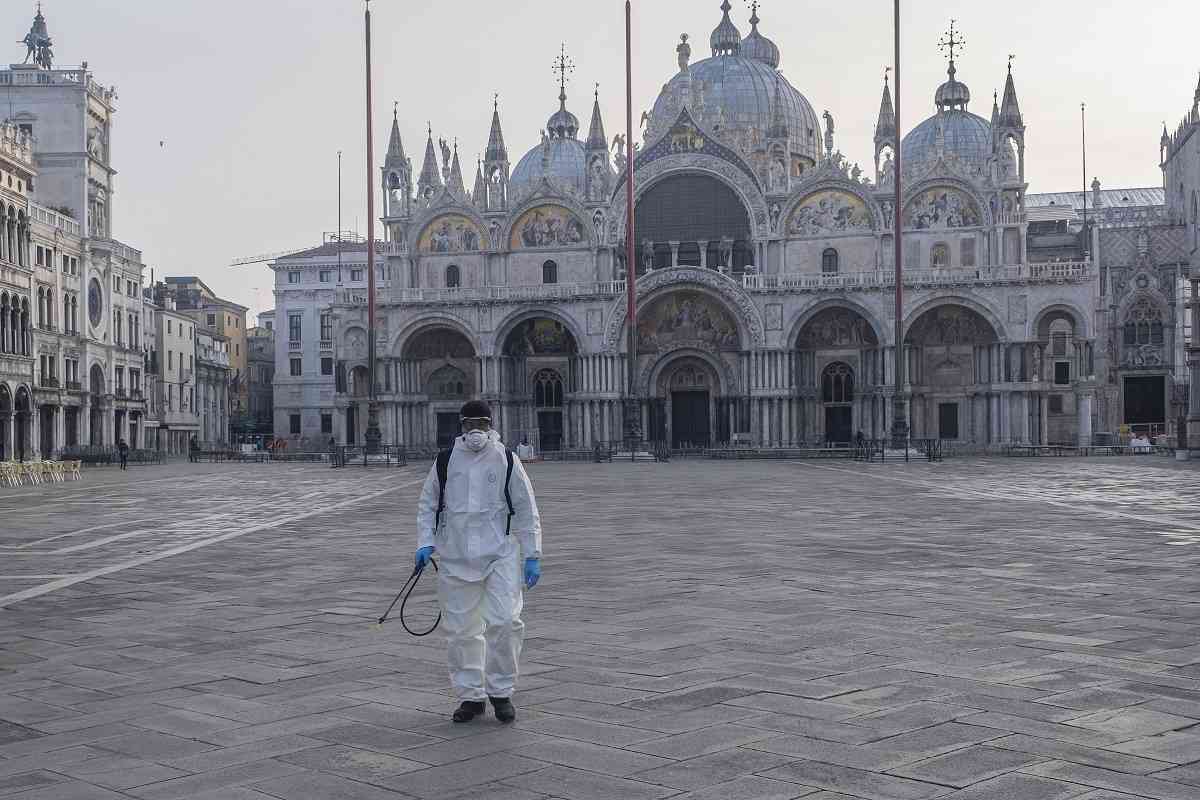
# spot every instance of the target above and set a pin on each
(478, 513)
(123, 452)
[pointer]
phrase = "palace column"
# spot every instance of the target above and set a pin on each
(1085, 419)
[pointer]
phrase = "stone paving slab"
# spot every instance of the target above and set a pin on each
(981, 629)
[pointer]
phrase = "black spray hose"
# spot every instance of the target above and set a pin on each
(402, 598)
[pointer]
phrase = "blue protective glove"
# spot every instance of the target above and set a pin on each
(423, 556)
(533, 571)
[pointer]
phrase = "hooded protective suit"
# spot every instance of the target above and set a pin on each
(480, 575)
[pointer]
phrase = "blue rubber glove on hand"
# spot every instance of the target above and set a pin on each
(533, 571)
(423, 556)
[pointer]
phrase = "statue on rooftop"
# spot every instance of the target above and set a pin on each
(38, 43)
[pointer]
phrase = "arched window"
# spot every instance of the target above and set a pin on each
(547, 389)
(837, 384)
(549, 272)
(939, 256)
(453, 277)
(829, 261)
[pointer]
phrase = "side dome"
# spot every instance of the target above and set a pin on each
(567, 165)
(743, 89)
(962, 135)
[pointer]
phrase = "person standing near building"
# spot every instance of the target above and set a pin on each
(123, 452)
(477, 511)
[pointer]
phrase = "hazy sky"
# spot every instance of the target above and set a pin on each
(253, 99)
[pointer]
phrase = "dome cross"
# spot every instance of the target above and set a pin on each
(951, 40)
(564, 66)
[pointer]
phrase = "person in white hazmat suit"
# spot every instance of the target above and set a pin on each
(480, 542)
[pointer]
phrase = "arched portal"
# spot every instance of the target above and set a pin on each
(838, 357)
(23, 425)
(6, 410)
(688, 409)
(439, 365)
(705, 219)
(539, 372)
(950, 348)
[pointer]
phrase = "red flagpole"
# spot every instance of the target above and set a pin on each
(372, 435)
(899, 411)
(633, 411)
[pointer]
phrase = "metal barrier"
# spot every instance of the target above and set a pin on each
(384, 455)
(884, 450)
(93, 456)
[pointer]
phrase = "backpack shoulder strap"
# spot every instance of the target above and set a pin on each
(508, 454)
(443, 468)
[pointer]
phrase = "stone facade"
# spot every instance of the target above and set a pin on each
(765, 285)
(84, 380)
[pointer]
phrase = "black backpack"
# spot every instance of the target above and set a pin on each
(443, 468)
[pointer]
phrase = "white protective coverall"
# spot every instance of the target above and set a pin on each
(481, 571)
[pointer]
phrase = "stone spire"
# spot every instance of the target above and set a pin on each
(495, 148)
(455, 182)
(596, 138)
(995, 110)
(1196, 97)
(479, 195)
(1010, 110)
(395, 153)
(726, 39)
(779, 126)
(885, 126)
(430, 180)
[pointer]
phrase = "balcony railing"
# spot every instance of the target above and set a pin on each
(296, 347)
(1016, 218)
(74, 386)
(48, 382)
(121, 393)
(1024, 273)
(544, 291)
(326, 344)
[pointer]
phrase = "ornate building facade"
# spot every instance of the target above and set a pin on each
(765, 290)
(83, 381)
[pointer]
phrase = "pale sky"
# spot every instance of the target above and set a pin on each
(253, 99)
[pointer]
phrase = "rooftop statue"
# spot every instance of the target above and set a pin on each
(38, 43)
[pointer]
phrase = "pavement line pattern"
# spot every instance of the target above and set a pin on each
(63, 583)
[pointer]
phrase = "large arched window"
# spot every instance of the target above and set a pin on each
(692, 209)
(547, 389)
(453, 277)
(829, 261)
(837, 384)
(549, 272)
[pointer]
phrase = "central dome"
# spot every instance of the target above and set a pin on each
(965, 136)
(744, 91)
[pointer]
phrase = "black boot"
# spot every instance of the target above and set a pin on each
(469, 710)
(504, 709)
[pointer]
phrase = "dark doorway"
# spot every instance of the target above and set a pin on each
(689, 419)
(550, 425)
(72, 427)
(449, 425)
(838, 423)
(351, 424)
(95, 427)
(46, 424)
(1145, 400)
(948, 420)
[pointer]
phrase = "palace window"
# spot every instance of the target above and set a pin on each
(327, 423)
(295, 327)
(453, 277)
(294, 427)
(326, 366)
(356, 275)
(549, 272)
(326, 327)
(297, 367)
(293, 277)
(939, 256)
(326, 276)
(829, 261)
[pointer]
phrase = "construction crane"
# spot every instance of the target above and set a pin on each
(241, 262)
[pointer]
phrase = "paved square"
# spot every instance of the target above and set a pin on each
(1008, 629)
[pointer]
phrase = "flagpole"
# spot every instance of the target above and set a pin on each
(373, 435)
(1083, 135)
(633, 412)
(899, 410)
(339, 238)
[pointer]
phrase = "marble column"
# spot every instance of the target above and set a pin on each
(1045, 400)
(703, 254)
(1085, 419)
(674, 253)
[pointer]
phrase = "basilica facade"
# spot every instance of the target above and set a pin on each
(765, 287)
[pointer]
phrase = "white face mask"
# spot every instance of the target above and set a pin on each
(476, 440)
